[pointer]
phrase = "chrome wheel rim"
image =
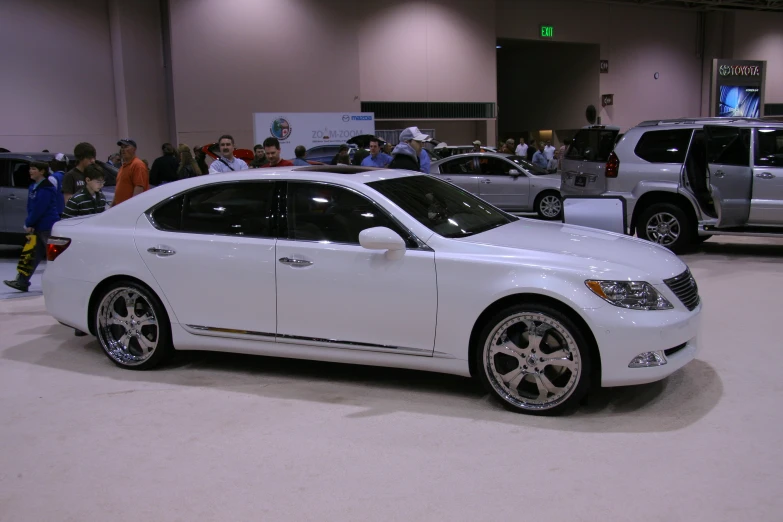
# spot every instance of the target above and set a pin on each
(663, 228)
(532, 361)
(550, 206)
(127, 326)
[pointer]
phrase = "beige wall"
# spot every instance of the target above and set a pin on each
(637, 41)
(57, 86)
(759, 36)
(292, 55)
(340, 53)
(427, 50)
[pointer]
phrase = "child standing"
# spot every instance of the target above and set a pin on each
(43, 212)
(89, 199)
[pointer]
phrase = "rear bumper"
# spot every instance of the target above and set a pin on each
(67, 300)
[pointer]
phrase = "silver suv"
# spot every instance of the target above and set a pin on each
(685, 180)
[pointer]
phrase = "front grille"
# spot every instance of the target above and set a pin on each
(685, 288)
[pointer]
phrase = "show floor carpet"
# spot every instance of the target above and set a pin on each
(232, 438)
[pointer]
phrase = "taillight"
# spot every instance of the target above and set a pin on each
(56, 246)
(612, 166)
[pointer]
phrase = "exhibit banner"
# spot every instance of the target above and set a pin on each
(311, 128)
(737, 88)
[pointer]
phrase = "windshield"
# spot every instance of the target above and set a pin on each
(533, 169)
(442, 207)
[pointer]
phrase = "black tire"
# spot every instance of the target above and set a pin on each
(509, 329)
(146, 324)
(545, 211)
(680, 225)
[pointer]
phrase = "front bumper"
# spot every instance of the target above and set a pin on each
(623, 334)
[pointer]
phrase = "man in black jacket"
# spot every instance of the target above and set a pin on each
(164, 168)
(406, 154)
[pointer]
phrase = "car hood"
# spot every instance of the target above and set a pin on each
(598, 254)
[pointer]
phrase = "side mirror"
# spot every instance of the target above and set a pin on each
(382, 238)
(514, 172)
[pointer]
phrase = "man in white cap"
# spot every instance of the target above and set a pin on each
(476, 146)
(406, 154)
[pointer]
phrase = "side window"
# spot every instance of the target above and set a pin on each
(728, 146)
(319, 212)
(664, 146)
(233, 209)
(770, 148)
(495, 166)
(5, 180)
(459, 166)
(20, 174)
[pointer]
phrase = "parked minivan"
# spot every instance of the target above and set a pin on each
(14, 183)
(685, 180)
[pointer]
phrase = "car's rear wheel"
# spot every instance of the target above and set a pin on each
(549, 205)
(132, 326)
(667, 225)
(534, 359)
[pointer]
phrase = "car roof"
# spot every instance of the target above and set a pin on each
(45, 156)
(477, 154)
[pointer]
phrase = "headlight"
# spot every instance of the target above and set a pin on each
(634, 295)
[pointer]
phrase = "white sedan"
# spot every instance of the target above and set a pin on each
(377, 267)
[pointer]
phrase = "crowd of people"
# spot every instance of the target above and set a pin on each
(55, 194)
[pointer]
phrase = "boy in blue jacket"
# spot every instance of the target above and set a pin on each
(42, 213)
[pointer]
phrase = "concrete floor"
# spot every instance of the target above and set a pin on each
(229, 438)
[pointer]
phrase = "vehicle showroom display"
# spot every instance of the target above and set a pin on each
(685, 180)
(374, 267)
(509, 182)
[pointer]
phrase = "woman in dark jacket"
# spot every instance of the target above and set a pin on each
(188, 167)
(43, 211)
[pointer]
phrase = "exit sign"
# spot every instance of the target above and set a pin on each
(547, 31)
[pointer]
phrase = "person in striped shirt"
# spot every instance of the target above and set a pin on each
(90, 199)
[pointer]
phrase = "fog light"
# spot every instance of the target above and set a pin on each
(648, 360)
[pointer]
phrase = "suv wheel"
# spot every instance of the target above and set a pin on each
(667, 225)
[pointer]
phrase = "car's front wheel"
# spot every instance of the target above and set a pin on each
(534, 359)
(132, 326)
(549, 205)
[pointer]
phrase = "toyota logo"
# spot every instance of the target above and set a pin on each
(724, 70)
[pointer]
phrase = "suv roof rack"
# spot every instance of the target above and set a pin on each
(695, 121)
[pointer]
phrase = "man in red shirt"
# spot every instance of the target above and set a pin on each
(272, 151)
(133, 177)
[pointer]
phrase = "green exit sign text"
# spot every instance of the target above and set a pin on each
(547, 31)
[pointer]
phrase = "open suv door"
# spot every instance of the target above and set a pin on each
(730, 173)
(584, 165)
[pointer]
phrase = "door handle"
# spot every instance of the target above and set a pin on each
(12, 198)
(296, 263)
(765, 175)
(447, 179)
(719, 174)
(161, 251)
(486, 181)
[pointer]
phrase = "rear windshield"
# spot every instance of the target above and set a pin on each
(592, 145)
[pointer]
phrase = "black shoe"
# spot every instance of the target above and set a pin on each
(79, 333)
(17, 285)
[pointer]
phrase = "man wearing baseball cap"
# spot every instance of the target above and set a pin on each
(133, 177)
(406, 154)
(476, 146)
